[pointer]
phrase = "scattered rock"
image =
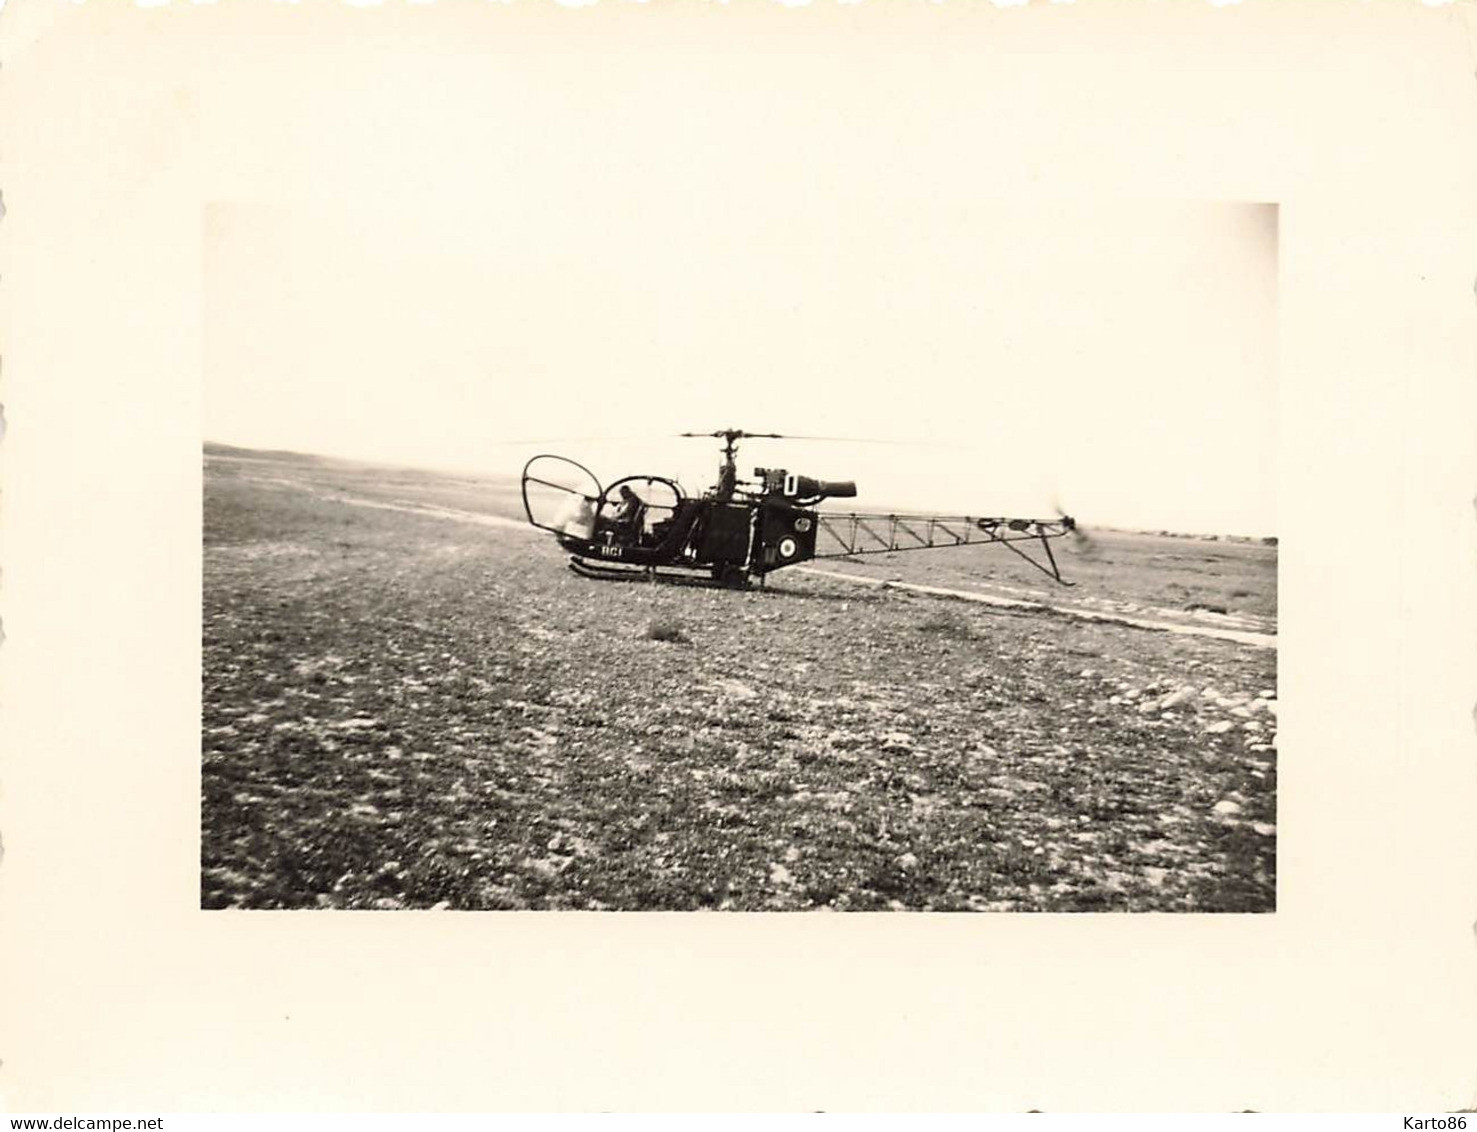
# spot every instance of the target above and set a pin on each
(1227, 808)
(1174, 699)
(1220, 727)
(543, 867)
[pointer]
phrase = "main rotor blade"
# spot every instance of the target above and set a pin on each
(570, 440)
(854, 440)
(740, 435)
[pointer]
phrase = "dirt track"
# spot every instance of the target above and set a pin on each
(411, 710)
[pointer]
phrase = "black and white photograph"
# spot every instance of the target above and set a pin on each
(688, 545)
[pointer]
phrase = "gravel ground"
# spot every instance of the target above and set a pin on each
(402, 711)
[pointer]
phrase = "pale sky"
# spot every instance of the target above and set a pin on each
(619, 269)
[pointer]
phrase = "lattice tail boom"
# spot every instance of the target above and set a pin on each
(854, 534)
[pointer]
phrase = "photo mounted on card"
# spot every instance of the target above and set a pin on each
(698, 556)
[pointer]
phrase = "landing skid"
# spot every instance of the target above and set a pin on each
(703, 579)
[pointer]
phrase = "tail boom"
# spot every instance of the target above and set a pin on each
(854, 534)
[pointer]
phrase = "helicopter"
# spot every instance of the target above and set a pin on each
(741, 531)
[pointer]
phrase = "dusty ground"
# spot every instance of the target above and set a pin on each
(417, 710)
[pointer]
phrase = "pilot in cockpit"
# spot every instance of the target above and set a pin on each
(626, 520)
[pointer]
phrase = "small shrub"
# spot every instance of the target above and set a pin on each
(1207, 606)
(664, 629)
(947, 623)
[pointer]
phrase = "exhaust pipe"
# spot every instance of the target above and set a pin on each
(807, 488)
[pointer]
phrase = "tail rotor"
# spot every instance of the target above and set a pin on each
(1081, 542)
